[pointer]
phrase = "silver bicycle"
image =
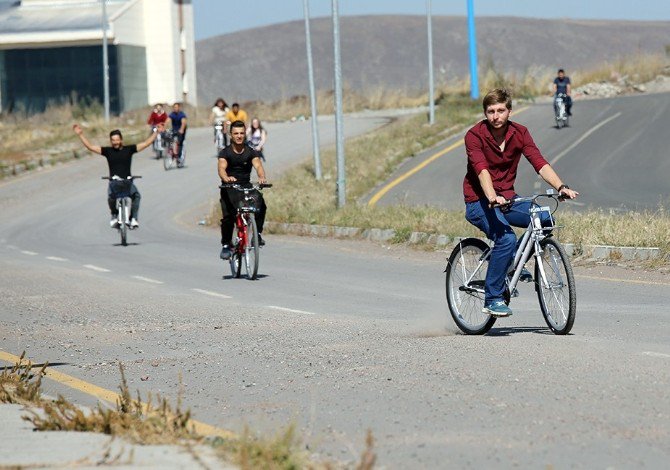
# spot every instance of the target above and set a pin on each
(553, 277)
(560, 111)
(219, 137)
(121, 192)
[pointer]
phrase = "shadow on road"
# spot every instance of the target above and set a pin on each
(37, 366)
(521, 329)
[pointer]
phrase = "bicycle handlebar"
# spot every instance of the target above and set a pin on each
(116, 178)
(550, 193)
(239, 187)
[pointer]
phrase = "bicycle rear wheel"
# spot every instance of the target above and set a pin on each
(556, 289)
(466, 272)
(251, 249)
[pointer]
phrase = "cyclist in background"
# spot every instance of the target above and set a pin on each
(237, 114)
(179, 125)
(562, 85)
(218, 116)
(157, 116)
(494, 147)
(119, 158)
(256, 137)
(235, 163)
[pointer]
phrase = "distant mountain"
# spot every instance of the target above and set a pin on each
(390, 51)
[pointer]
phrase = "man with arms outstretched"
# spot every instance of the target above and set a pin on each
(119, 158)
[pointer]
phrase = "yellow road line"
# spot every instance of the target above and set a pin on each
(112, 397)
(414, 170)
(382, 192)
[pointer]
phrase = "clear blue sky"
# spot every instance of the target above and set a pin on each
(213, 17)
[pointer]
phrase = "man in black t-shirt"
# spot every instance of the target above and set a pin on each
(235, 163)
(119, 158)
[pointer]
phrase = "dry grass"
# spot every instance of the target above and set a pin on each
(24, 138)
(19, 385)
(370, 159)
(638, 69)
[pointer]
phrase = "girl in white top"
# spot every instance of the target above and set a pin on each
(218, 116)
(219, 111)
(256, 136)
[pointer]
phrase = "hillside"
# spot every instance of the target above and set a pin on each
(390, 51)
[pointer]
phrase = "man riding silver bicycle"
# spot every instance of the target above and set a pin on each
(494, 147)
(119, 159)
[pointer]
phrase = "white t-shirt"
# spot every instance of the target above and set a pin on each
(219, 114)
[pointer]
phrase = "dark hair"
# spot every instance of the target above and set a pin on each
(115, 132)
(498, 96)
(238, 124)
(235, 104)
(225, 105)
(260, 125)
(561, 70)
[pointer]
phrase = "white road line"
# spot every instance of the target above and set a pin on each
(96, 268)
(56, 258)
(147, 279)
(212, 294)
(655, 354)
(30, 253)
(581, 139)
(284, 309)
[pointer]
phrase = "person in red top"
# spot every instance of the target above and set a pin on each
(157, 116)
(494, 147)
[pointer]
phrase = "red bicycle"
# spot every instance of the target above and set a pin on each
(245, 239)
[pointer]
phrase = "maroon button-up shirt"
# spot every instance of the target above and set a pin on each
(485, 154)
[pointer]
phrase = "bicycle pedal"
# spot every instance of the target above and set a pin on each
(515, 293)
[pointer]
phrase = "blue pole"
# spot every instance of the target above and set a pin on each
(472, 36)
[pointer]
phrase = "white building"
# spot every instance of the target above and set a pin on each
(51, 51)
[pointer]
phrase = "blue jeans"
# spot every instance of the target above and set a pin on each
(497, 225)
(134, 195)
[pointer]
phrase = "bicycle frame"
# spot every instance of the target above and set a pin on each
(530, 242)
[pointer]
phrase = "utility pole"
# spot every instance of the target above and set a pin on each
(431, 84)
(105, 60)
(474, 81)
(312, 95)
(339, 133)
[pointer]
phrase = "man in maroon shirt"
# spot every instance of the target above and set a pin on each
(494, 147)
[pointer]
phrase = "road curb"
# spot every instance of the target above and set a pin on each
(441, 241)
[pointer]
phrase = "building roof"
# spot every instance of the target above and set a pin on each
(34, 21)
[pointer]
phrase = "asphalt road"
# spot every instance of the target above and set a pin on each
(337, 337)
(615, 153)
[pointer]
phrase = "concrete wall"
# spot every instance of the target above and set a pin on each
(164, 44)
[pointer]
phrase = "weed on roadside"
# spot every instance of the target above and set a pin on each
(139, 422)
(19, 384)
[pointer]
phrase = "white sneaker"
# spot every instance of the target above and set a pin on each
(114, 222)
(134, 223)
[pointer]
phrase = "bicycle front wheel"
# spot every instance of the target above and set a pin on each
(251, 249)
(123, 227)
(167, 159)
(555, 286)
(466, 271)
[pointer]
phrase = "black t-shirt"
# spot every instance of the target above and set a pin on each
(239, 164)
(119, 160)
